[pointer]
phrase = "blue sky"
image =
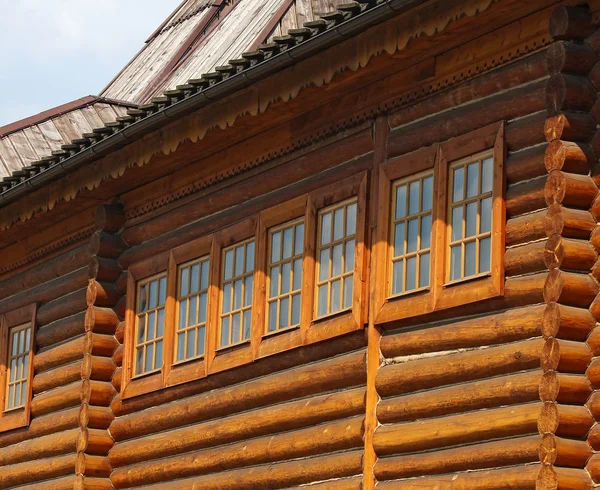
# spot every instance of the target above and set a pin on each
(55, 51)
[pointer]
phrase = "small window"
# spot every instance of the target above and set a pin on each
(335, 257)
(192, 309)
(150, 324)
(470, 217)
(286, 248)
(412, 205)
(17, 383)
(237, 288)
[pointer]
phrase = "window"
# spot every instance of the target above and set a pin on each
(284, 279)
(441, 234)
(150, 324)
(16, 373)
(470, 212)
(237, 287)
(335, 257)
(192, 309)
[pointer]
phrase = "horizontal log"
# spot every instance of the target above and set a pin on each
(60, 376)
(279, 475)
(117, 356)
(499, 328)
(120, 332)
(453, 430)
(102, 294)
(572, 190)
(355, 483)
(593, 341)
(595, 237)
(564, 388)
(60, 331)
(568, 57)
(526, 197)
(117, 379)
(57, 444)
(593, 467)
(95, 417)
(56, 399)
(269, 420)
(560, 451)
(565, 420)
(507, 452)
(593, 373)
(100, 345)
(59, 355)
(93, 466)
(576, 158)
(569, 93)
(570, 289)
(567, 322)
(65, 306)
(332, 374)
(505, 390)
(94, 441)
(109, 218)
(106, 245)
(98, 392)
(64, 483)
(39, 470)
(571, 23)
(525, 131)
(593, 438)
(593, 404)
(101, 320)
(322, 439)
(97, 368)
(429, 372)
(574, 357)
(525, 164)
(595, 307)
(104, 270)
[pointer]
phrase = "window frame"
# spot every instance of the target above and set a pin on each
(441, 294)
(18, 417)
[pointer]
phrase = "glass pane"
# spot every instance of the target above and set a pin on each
(151, 323)
(486, 215)
(13, 370)
(425, 232)
(459, 184)
(338, 224)
(180, 346)
(195, 283)
(348, 281)
(11, 393)
(141, 329)
(182, 314)
(471, 225)
(248, 284)
(401, 202)
(297, 274)
(485, 255)
(413, 233)
(149, 365)
(335, 301)
(399, 240)
(470, 259)
(228, 274)
(398, 277)
(457, 223)
(159, 355)
(424, 271)
(299, 239)
(411, 274)
(272, 316)
(237, 295)
(427, 197)
(247, 323)
(28, 339)
(326, 228)
(143, 299)
(191, 344)
(288, 245)
(274, 282)
(487, 175)
(413, 197)
(160, 325)
(284, 310)
(296, 309)
(200, 341)
(22, 341)
(236, 328)
(227, 298)
(193, 311)
(456, 262)
(322, 302)
(205, 270)
(276, 247)
(162, 291)
(351, 220)
(153, 297)
(324, 264)
(202, 310)
(23, 392)
(336, 268)
(250, 257)
(473, 179)
(139, 363)
(225, 331)
(25, 366)
(349, 256)
(286, 272)
(239, 260)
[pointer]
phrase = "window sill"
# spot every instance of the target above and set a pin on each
(15, 419)
(142, 385)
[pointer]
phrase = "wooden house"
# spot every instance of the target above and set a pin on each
(312, 245)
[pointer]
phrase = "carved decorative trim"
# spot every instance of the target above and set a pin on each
(321, 135)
